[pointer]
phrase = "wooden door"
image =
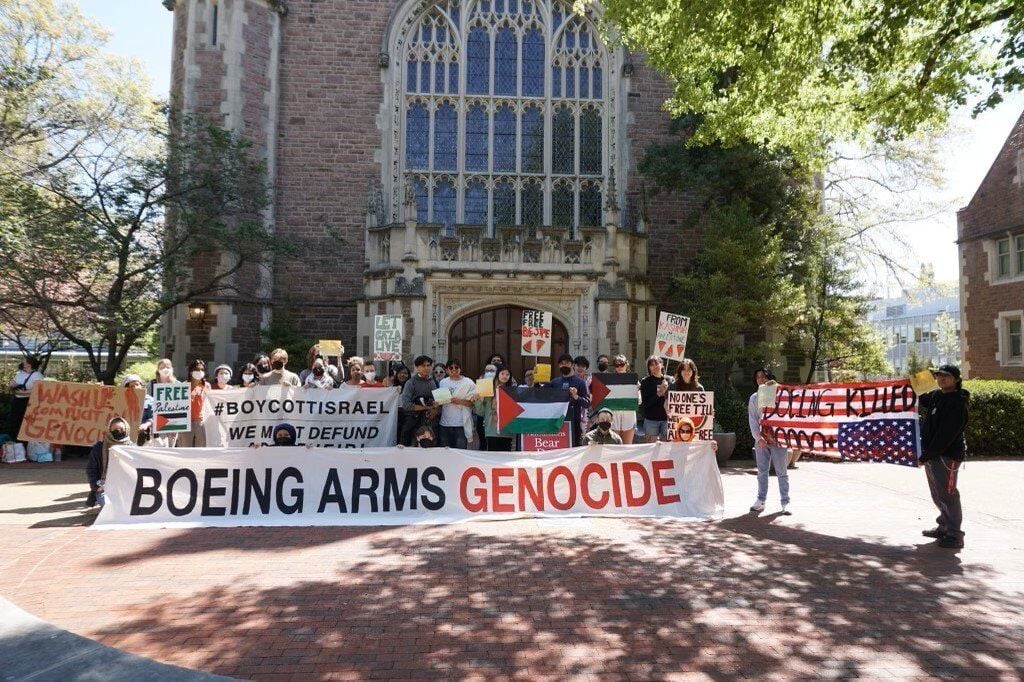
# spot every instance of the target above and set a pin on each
(475, 337)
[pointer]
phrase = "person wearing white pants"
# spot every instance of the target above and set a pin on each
(767, 451)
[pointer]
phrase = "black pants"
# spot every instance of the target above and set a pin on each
(16, 416)
(499, 444)
(942, 476)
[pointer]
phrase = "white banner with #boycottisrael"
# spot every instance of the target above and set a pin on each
(345, 417)
(295, 486)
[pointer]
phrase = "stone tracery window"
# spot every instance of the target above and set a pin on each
(505, 119)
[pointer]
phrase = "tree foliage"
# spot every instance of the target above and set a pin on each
(801, 74)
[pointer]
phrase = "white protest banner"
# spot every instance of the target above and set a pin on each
(170, 408)
(670, 342)
(294, 486)
(698, 407)
(536, 333)
(387, 337)
(345, 417)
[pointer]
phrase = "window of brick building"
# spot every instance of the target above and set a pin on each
(1003, 257)
(1011, 343)
(505, 114)
(1020, 253)
(1013, 334)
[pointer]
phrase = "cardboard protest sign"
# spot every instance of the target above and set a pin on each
(697, 407)
(77, 414)
(922, 382)
(170, 408)
(535, 442)
(766, 395)
(331, 348)
(387, 337)
(485, 388)
(542, 373)
(536, 334)
(670, 343)
(442, 396)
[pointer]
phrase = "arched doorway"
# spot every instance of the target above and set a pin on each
(478, 335)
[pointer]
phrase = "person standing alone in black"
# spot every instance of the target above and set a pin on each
(943, 448)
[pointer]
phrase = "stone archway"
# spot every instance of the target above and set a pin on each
(478, 334)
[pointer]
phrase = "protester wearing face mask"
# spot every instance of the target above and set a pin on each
(262, 362)
(164, 374)
(198, 388)
(370, 376)
(318, 376)
(424, 437)
(249, 376)
(221, 378)
(284, 435)
(579, 396)
(602, 363)
(146, 424)
(602, 433)
(99, 459)
(278, 374)
(311, 356)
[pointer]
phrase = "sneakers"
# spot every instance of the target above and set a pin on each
(785, 510)
(758, 506)
(951, 542)
(933, 533)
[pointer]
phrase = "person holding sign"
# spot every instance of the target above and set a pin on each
(767, 451)
(653, 389)
(943, 448)
(485, 407)
(198, 388)
(457, 414)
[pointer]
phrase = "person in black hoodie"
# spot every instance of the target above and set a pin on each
(943, 448)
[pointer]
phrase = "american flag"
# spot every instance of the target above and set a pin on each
(880, 440)
(808, 417)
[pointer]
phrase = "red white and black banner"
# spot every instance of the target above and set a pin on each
(296, 486)
(860, 421)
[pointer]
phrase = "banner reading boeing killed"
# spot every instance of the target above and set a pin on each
(292, 486)
(345, 417)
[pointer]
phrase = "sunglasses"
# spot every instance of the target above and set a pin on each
(620, 364)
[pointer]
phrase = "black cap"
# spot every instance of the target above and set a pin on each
(951, 370)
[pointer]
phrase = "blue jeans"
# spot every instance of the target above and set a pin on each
(779, 458)
(453, 437)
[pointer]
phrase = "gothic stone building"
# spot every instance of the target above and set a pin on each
(454, 161)
(991, 241)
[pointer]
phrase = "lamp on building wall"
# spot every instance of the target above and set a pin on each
(196, 311)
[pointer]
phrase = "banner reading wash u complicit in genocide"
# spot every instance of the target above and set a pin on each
(294, 486)
(346, 417)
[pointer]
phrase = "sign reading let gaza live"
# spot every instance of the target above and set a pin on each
(387, 337)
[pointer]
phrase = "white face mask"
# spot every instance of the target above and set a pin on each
(165, 372)
(198, 374)
(369, 374)
(223, 378)
(247, 378)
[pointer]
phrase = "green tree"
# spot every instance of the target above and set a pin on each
(915, 361)
(800, 75)
(947, 341)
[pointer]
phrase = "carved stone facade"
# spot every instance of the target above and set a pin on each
(320, 89)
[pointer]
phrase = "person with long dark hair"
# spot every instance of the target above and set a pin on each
(27, 376)
(487, 407)
(687, 378)
(249, 376)
(198, 388)
(653, 389)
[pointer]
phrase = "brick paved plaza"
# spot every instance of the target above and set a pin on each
(845, 587)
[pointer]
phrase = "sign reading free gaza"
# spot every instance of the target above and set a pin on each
(389, 486)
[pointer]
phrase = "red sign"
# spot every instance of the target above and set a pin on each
(552, 441)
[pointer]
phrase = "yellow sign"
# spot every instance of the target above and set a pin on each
(77, 414)
(922, 382)
(542, 373)
(331, 348)
(485, 388)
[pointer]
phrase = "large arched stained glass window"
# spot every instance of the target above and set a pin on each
(505, 119)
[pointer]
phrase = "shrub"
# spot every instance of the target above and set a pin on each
(996, 422)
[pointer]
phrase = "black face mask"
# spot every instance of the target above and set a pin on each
(118, 434)
(282, 440)
(277, 364)
(425, 442)
(566, 371)
(602, 367)
(264, 367)
(604, 426)
(318, 371)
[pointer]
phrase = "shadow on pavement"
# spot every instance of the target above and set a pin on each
(743, 596)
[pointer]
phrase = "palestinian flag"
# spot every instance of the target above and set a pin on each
(540, 409)
(171, 422)
(614, 391)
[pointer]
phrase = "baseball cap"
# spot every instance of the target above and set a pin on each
(951, 370)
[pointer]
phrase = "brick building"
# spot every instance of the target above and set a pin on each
(453, 161)
(991, 242)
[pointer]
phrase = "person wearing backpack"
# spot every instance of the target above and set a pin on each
(27, 376)
(943, 448)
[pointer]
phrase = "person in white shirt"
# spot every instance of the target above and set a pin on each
(457, 415)
(27, 376)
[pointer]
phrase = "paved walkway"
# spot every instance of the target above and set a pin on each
(845, 587)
